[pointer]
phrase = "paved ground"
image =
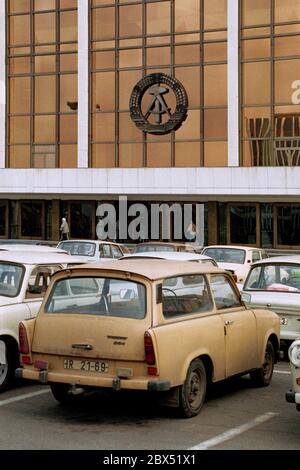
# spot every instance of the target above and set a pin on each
(235, 416)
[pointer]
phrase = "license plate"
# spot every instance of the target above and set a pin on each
(87, 366)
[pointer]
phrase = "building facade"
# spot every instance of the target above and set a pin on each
(160, 101)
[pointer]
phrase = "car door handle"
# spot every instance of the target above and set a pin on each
(87, 347)
(228, 322)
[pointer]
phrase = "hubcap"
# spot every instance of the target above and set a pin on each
(3, 373)
(267, 366)
(195, 395)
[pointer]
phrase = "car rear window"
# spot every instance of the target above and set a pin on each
(97, 296)
(226, 255)
(79, 248)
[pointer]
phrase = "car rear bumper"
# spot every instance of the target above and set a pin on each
(293, 397)
(116, 383)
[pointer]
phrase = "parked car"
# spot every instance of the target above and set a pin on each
(92, 250)
(167, 246)
(35, 248)
(173, 256)
(148, 335)
(24, 277)
(236, 259)
(293, 395)
(274, 283)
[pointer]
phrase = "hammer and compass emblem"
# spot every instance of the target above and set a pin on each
(158, 107)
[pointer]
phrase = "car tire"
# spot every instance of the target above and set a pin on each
(7, 370)
(262, 377)
(192, 393)
(61, 393)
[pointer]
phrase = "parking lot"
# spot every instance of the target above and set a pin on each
(235, 417)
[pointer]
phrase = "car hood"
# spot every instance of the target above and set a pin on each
(230, 266)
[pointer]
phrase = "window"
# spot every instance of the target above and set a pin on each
(98, 296)
(11, 276)
(255, 256)
(165, 37)
(32, 215)
(185, 295)
(105, 251)
(271, 119)
(243, 224)
(42, 83)
(116, 252)
(277, 277)
(223, 293)
(40, 279)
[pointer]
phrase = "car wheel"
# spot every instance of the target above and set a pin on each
(262, 377)
(192, 393)
(6, 370)
(61, 393)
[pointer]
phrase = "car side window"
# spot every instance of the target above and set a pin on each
(223, 293)
(116, 252)
(39, 280)
(255, 256)
(185, 295)
(105, 251)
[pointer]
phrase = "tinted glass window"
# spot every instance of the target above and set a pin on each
(98, 296)
(31, 219)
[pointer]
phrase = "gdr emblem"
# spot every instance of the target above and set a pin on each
(153, 108)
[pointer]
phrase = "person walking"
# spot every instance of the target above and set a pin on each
(64, 229)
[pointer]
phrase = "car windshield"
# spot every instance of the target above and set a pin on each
(79, 248)
(226, 255)
(274, 277)
(145, 248)
(11, 276)
(98, 296)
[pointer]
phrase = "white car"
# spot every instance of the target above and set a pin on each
(35, 248)
(92, 250)
(24, 277)
(274, 284)
(293, 396)
(173, 256)
(236, 259)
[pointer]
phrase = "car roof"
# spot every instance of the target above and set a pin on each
(279, 259)
(37, 257)
(98, 242)
(35, 248)
(235, 247)
(152, 269)
(171, 255)
(163, 243)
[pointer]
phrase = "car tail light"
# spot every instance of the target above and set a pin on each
(149, 349)
(23, 340)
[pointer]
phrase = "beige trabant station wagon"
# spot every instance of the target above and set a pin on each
(155, 325)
